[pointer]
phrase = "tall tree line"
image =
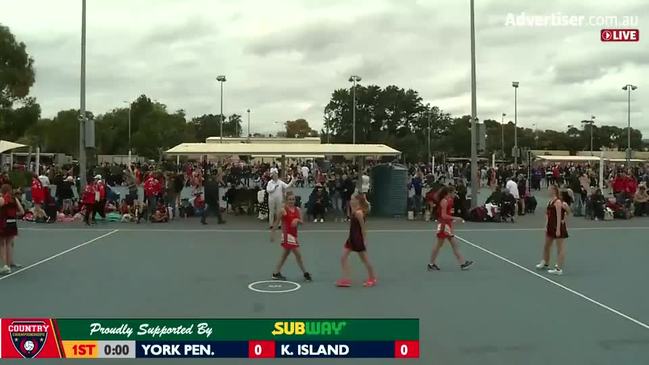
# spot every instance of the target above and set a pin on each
(399, 118)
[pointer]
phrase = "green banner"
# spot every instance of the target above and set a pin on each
(238, 329)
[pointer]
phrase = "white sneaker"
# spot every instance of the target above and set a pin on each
(542, 265)
(315, 221)
(5, 270)
(321, 220)
(556, 271)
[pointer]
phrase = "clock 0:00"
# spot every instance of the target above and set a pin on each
(116, 350)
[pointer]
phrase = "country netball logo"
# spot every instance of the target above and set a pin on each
(28, 337)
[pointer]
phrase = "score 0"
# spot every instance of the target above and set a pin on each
(406, 349)
(261, 349)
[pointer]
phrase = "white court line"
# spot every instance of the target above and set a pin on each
(641, 324)
(65, 229)
(57, 255)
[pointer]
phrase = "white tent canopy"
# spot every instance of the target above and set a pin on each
(584, 159)
(267, 140)
(288, 150)
(624, 160)
(6, 146)
(569, 158)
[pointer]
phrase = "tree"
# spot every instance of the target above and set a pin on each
(380, 113)
(207, 125)
(16, 78)
(159, 131)
(298, 128)
(111, 131)
(62, 132)
(16, 69)
(140, 109)
(15, 122)
(232, 127)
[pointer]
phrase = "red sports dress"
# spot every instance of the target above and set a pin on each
(8, 216)
(355, 241)
(445, 226)
(551, 225)
(290, 232)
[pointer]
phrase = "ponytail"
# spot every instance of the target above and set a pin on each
(7, 190)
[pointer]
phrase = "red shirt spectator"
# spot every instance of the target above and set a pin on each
(89, 194)
(631, 185)
(38, 193)
(152, 187)
(157, 187)
(148, 187)
(619, 184)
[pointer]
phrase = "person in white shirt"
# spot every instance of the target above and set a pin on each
(305, 174)
(45, 181)
(512, 187)
(276, 189)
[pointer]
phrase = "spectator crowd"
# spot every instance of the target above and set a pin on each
(159, 193)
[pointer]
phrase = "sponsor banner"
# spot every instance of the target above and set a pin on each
(238, 329)
(208, 338)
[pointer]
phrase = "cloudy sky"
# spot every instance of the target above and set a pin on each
(283, 58)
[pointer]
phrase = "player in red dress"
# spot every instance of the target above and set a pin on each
(10, 209)
(555, 231)
(356, 242)
(445, 232)
(291, 217)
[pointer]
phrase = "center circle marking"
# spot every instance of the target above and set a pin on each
(274, 286)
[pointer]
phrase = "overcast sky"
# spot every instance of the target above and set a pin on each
(283, 58)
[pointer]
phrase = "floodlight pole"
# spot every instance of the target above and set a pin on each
(474, 149)
(82, 108)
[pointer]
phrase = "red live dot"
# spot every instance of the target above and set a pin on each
(406, 349)
(261, 349)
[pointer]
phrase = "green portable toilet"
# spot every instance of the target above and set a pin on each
(389, 190)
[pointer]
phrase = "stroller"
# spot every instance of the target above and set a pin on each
(508, 208)
(595, 209)
(622, 208)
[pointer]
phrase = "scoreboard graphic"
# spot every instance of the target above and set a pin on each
(208, 338)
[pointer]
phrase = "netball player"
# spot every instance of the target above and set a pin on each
(445, 221)
(10, 209)
(356, 242)
(291, 217)
(555, 231)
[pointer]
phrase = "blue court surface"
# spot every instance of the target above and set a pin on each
(502, 311)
